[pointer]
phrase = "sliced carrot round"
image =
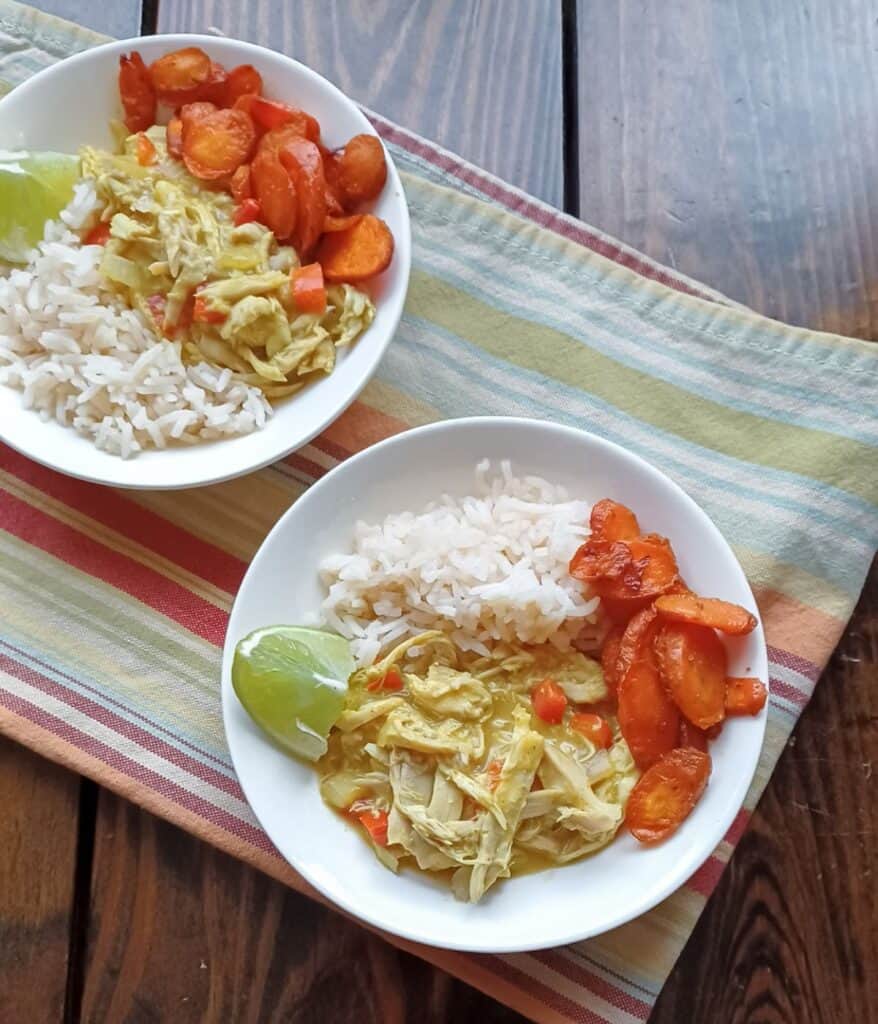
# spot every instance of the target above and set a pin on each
(136, 93)
(648, 718)
(745, 695)
(707, 611)
(692, 661)
(276, 193)
(611, 521)
(304, 164)
(331, 223)
(216, 145)
(652, 572)
(362, 170)
(666, 793)
(270, 114)
(359, 252)
(177, 75)
(190, 113)
(244, 80)
(599, 559)
(333, 192)
(692, 736)
(610, 657)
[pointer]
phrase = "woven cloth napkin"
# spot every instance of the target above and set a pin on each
(115, 603)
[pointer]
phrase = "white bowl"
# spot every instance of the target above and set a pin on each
(281, 586)
(70, 104)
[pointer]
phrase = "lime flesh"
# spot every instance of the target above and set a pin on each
(34, 188)
(293, 682)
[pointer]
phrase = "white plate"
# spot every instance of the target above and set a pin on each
(281, 586)
(70, 105)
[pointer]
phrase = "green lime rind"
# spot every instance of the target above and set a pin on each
(292, 682)
(34, 188)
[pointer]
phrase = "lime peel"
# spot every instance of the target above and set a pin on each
(292, 681)
(34, 188)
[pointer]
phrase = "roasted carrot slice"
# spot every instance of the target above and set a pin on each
(744, 695)
(637, 636)
(177, 76)
(174, 137)
(244, 80)
(655, 569)
(216, 145)
(692, 661)
(333, 192)
(277, 138)
(309, 291)
(611, 521)
(211, 91)
(304, 165)
(362, 170)
(692, 736)
(331, 223)
(190, 113)
(136, 92)
(610, 657)
(240, 186)
(599, 559)
(665, 794)
(274, 189)
(707, 611)
(648, 718)
(359, 252)
(270, 114)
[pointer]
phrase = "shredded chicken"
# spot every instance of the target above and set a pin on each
(472, 782)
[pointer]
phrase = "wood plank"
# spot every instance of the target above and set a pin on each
(182, 932)
(789, 936)
(38, 830)
(732, 141)
(118, 18)
(481, 79)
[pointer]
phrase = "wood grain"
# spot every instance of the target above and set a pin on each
(118, 18)
(733, 140)
(181, 932)
(790, 935)
(482, 79)
(38, 828)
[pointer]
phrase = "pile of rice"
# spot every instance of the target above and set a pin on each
(487, 568)
(85, 359)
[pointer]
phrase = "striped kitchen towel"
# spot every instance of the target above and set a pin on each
(115, 604)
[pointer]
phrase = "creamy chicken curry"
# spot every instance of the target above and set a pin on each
(443, 758)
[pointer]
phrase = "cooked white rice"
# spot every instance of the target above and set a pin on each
(83, 358)
(485, 568)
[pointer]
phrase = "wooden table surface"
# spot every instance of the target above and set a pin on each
(732, 139)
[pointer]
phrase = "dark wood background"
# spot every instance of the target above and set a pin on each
(735, 140)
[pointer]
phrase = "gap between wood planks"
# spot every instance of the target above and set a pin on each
(570, 106)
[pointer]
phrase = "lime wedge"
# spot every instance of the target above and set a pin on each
(34, 188)
(293, 682)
